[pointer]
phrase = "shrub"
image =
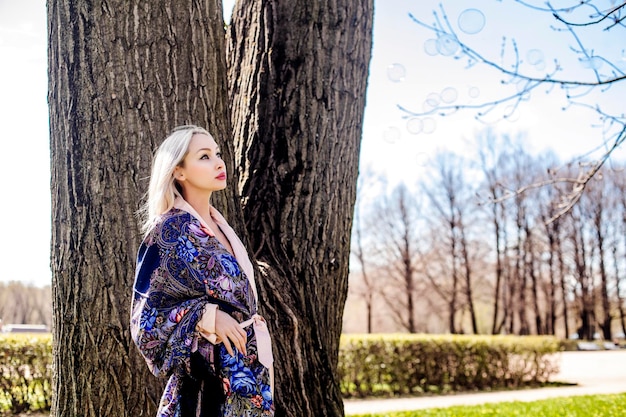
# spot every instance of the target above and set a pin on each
(375, 365)
(369, 365)
(25, 372)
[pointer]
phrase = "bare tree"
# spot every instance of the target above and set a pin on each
(620, 275)
(448, 194)
(367, 289)
(582, 270)
(553, 279)
(519, 277)
(520, 226)
(468, 270)
(599, 205)
(25, 304)
(530, 270)
(361, 249)
(493, 155)
(618, 290)
(537, 225)
(397, 237)
(584, 23)
(553, 231)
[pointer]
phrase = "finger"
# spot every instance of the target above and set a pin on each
(244, 343)
(228, 347)
(244, 340)
(239, 340)
(242, 348)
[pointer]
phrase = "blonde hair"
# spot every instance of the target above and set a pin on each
(163, 188)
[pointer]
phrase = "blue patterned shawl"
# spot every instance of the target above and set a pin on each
(181, 268)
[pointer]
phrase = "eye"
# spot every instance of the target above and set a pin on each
(219, 155)
(204, 156)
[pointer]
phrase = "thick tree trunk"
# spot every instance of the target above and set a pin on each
(297, 82)
(121, 75)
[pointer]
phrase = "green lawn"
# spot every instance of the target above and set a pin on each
(613, 405)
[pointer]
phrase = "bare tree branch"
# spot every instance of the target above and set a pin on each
(603, 16)
(577, 91)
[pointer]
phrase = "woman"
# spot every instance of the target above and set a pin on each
(194, 310)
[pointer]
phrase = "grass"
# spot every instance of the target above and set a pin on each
(610, 405)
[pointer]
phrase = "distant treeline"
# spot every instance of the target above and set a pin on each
(25, 304)
(497, 242)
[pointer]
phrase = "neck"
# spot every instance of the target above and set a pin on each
(200, 203)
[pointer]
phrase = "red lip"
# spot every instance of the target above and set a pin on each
(222, 176)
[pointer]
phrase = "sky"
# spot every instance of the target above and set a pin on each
(403, 73)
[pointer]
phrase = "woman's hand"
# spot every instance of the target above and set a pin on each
(228, 330)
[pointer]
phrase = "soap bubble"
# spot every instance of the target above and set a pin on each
(471, 21)
(432, 100)
(414, 125)
(593, 62)
(429, 105)
(429, 125)
(430, 47)
(534, 57)
(449, 95)
(391, 134)
(473, 92)
(396, 72)
(447, 45)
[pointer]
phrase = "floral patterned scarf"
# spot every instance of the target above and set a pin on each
(181, 267)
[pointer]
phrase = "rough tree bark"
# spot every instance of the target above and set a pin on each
(298, 71)
(122, 73)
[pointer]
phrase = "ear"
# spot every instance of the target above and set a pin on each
(179, 174)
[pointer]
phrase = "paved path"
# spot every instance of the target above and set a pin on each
(595, 372)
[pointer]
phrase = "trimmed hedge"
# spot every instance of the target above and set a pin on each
(25, 372)
(369, 365)
(391, 365)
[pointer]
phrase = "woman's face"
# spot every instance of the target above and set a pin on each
(203, 170)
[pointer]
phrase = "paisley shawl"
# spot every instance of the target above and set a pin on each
(180, 269)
